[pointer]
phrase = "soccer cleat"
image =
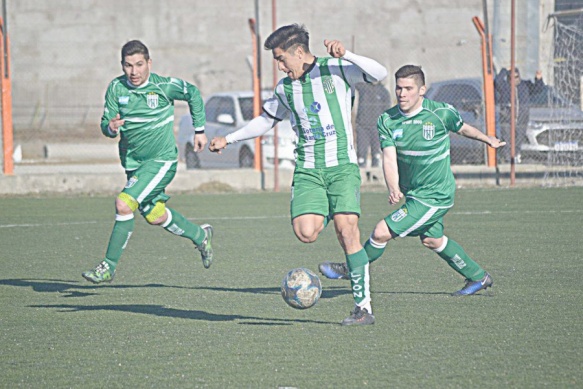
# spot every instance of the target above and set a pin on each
(473, 287)
(359, 316)
(206, 248)
(334, 270)
(102, 273)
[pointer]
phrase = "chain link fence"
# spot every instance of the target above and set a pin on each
(56, 113)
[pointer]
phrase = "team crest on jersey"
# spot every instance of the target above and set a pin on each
(328, 84)
(428, 130)
(398, 133)
(131, 182)
(289, 98)
(152, 100)
(399, 215)
(123, 100)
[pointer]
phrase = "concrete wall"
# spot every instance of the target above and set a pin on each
(65, 52)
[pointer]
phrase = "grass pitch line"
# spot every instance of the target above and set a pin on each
(478, 213)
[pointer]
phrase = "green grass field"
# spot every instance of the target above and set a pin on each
(165, 321)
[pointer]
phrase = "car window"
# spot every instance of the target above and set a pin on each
(462, 96)
(218, 105)
(246, 104)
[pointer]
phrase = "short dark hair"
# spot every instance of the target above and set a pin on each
(287, 37)
(411, 71)
(134, 47)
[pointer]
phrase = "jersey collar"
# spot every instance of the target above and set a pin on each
(308, 70)
(137, 87)
(411, 114)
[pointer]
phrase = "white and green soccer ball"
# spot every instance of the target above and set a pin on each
(301, 288)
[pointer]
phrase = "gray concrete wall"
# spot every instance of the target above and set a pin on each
(65, 52)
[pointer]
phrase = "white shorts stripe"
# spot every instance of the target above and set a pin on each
(420, 222)
(155, 181)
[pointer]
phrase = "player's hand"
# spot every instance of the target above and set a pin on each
(495, 142)
(335, 48)
(200, 141)
(115, 124)
(395, 197)
(217, 144)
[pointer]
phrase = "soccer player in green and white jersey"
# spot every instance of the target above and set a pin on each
(414, 136)
(139, 107)
(317, 95)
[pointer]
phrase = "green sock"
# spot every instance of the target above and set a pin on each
(359, 278)
(120, 235)
(458, 260)
(374, 250)
(179, 225)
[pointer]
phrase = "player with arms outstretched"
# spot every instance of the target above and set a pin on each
(317, 95)
(414, 137)
(139, 107)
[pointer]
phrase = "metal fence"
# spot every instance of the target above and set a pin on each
(56, 115)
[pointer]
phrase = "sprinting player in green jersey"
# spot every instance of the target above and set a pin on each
(139, 106)
(317, 95)
(414, 137)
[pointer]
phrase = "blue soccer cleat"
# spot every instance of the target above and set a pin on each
(334, 270)
(473, 287)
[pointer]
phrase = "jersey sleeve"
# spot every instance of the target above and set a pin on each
(276, 106)
(451, 118)
(386, 134)
(110, 109)
(179, 89)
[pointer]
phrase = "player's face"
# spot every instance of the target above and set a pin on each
(136, 68)
(409, 94)
(290, 62)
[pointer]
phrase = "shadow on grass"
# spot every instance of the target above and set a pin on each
(75, 289)
(159, 310)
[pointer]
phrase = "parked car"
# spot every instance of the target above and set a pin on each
(554, 123)
(225, 113)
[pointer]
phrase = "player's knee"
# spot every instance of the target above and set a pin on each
(157, 214)
(306, 236)
(125, 204)
(431, 243)
(382, 233)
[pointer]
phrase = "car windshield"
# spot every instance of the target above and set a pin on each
(246, 104)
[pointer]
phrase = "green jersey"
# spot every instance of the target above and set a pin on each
(422, 143)
(319, 105)
(148, 111)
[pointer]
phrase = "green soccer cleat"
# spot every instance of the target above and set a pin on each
(206, 248)
(102, 273)
(359, 316)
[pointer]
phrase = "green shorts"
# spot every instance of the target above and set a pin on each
(147, 183)
(326, 191)
(415, 218)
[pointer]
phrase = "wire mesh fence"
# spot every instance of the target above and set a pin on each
(56, 115)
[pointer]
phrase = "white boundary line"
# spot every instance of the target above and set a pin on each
(479, 213)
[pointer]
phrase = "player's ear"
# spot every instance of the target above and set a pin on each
(422, 90)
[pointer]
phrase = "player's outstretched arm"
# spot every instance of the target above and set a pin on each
(256, 127)
(374, 70)
(473, 133)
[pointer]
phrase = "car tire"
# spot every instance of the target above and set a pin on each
(246, 157)
(190, 157)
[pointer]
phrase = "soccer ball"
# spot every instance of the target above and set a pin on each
(301, 288)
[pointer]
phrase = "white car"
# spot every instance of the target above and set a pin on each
(225, 113)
